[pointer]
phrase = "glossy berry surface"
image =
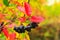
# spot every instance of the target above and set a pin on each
(33, 25)
(28, 28)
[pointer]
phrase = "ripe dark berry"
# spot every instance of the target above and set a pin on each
(28, 28)
(16, 29)
(33, 25)
(22, 30)
(19, 29)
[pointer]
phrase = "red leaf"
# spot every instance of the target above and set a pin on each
(21, 8)
(1, 5)
(11, 25)
(36, 19)
(12, 36)
(22, 19)
(27, 9)
(1, 15)
(5, 31)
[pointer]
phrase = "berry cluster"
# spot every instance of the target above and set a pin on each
(22, 29)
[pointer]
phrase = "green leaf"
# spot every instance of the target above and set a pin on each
(2, 37)
(6, 3)
(23, 35)
(10, 30)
